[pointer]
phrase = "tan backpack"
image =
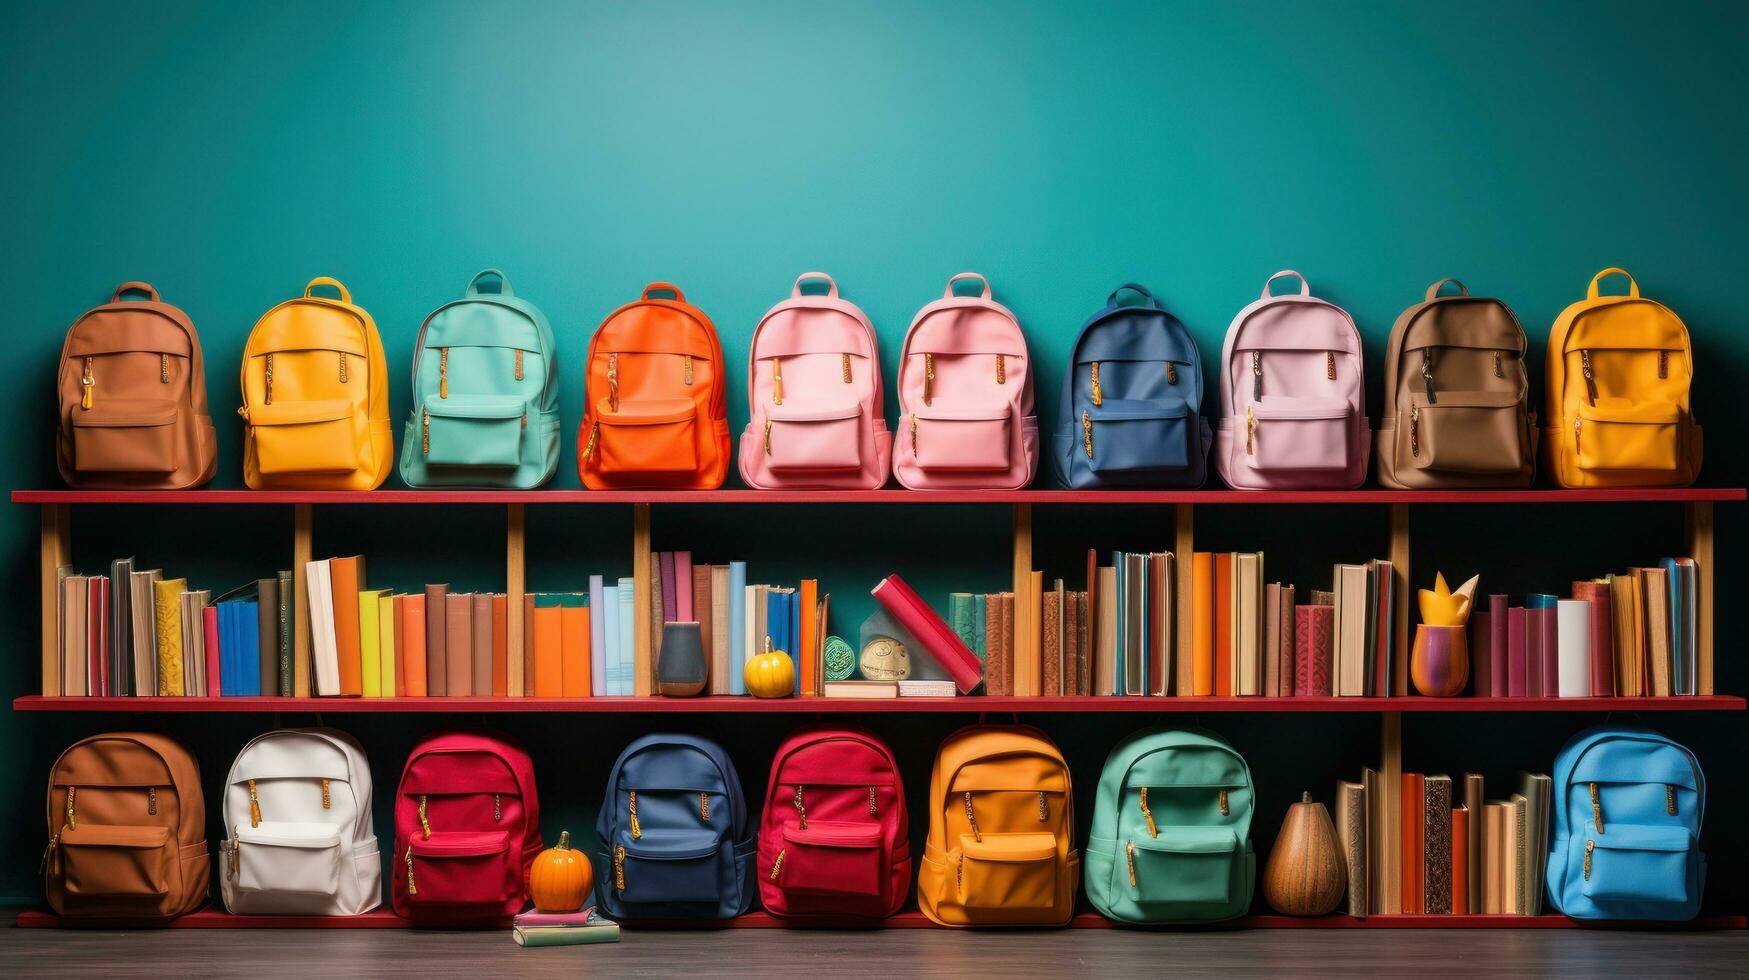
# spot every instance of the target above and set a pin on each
(127, 829)
(132, 391)
(1458, 415)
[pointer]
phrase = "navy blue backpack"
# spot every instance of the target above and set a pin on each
(675, 832)
(1131, 411)
(1628, 806)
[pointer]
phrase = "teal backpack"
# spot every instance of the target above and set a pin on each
(1171, 839)
(485, 394)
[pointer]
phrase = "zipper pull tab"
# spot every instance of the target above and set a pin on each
(1499, 371)
(972, 818)
(267, 394)
(777, 864)
(327, 800)
(412, 886)
(254, 806)
(1044, 807)
(87, 382)
(1575, 435)
(1590, 378)
(237, 854)
(72, 822)
(151, 801)
(688, 376)
(846, 368)
(1590, 845)
(1663, 364)
(519, 364)
(1001, 369)
(1129, 850)
(913, 437)
(48, 853)
(801, 808)
(632, 808)
(1427, 372)
(1596, 809)
(1330, 364)
(1415, 431)
(704, 807)
(1256, 375)
(1670, 799)
(164, 369)
(1087, 433)
(1224, 811)
(1148, 814)
(594, 430)
(613, 382)
(497, 808)
(425, 431)
(424, 820)
(768, 437)
(619, 867)
(443, 372)
(342, 367)
(1171, 373)
(1098, 396)
(777, 381)
(928, 379)
(874, 809)
(1250, 432)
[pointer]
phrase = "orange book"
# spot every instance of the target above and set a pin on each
(527, 645)
(810, 597)
(574, 650)
(549, 676)
(1460, 860)
(399, 604)
(410, 659)
(500, 646)
(1414, 826)
(347, 581)
(1202, 623)
(1223, 593)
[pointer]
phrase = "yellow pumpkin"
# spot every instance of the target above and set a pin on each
(561, 878)
(770, 675)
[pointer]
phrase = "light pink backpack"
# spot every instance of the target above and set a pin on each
(965, 397)
(1293, 398)
(816, 413)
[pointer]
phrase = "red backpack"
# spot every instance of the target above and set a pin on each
(467, 829)
(833, 838)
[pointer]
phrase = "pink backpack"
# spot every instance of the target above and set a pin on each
(834, 838)
(1293, 399)
(965, 397)
(467, 830)
(816, 412)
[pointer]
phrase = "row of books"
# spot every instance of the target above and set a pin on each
(1457, 853)
(738, 620)
(134, 632)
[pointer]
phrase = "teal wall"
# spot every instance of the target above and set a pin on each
(229, 152)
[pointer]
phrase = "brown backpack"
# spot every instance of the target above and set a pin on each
(132, 392)
(1457, 418)
(127, 829)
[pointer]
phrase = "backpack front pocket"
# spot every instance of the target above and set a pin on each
(816, 438)
(1466, 432)
(962, 441)
(1121, 436)
(668, 866)
(1182, 865)
(647, 438)
(299, 858)
(1630, 864)
(115, 861)
(473, 430)
(305, 437)
(1623, 435)
(125, 436)
(1008, 871)
(1297, 433)
(458, 868)
(832, 857)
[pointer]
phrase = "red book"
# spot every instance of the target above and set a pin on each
(670, 601)
(927, 626)
(1314, 636)
(1498, 684)
(1481, 654)
(1550, 646)
(1517, 684)
(1602, 636)
(1414, 866)
(209, 624)
(1460, 860)
(1385, 676)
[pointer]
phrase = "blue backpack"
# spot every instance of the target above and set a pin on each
(1131, 412)
(485, 394)
(674, 828)
(1628, 809)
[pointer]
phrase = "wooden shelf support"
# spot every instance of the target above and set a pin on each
(57, 552)
(1699, 520)
(302, 553)
(643, 684)
(515, 585)
(1184, 551)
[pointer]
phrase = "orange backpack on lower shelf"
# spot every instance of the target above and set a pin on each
(127, 829)
(656, 415)
(1001, 846)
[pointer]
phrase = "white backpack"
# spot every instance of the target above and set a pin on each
(298, 833)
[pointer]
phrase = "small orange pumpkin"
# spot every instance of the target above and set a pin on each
(560, 878)
(771, 674)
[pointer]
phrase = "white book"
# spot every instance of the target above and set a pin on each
(1350, 632)
(1248, 622)
(1573, 647)
(863, 689)
(609, 613)
(324, 655)
(626, 625)
(925, 689)
(750, 627)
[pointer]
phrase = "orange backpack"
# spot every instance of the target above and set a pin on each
(1001, 845)
(657, 414)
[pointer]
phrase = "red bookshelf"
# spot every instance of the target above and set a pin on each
(964, 705)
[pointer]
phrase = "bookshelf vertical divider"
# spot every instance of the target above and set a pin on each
(57, 550)
(1025, 603)
(515, 585)
(302, 553)
(1391, 722)
(643, 684)
(1184, 547)
(1698, 521)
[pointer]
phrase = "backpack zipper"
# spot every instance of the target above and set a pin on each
(619, 867)
(1171, 373)
(87, 382)
(928, 379)
(164, 369)
(1098, 396)
(267, 395)
(1148, 814)
(1224, 811)
(874, 809)
(425, 431)
(632, 808)
(1596, 809)
(327, 801)
(1044, 807)
(801, 808)
(777, 864)
(846, 368)
(612, 383)
(237, 854)
(342, 367)
(412, 887)
(1576, 434)
(768, 437)
(424, 820)
(255, 807)
(1250, 432)
(1589, 846)
(1427, 372)
(687, 377)
(913, 436)
(1001, 369)
(704, 807)
(1670, 799)
(51, 857)
(1415, 431)
(972, 818)
(777, 381)
(1330, 364)
(1256, 376)
(72, 821)
(594, 430)
(497, 808)
(152, 802)
(1499, 372)
(1087, 433)
(519, 364)
(1129, 849)
(1590, 378)
(443, 372)
(1663, 364)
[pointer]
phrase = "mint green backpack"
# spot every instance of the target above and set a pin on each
(1171, 839)
(485, 394)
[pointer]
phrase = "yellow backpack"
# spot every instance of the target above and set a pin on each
(1001, 848)
(316, 397)
(1619, 370)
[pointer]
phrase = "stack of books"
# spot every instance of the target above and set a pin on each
(563, 929)
(1459, 853)
(738, 619)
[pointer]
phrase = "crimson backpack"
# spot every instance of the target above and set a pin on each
(834, 839)
(467, 829)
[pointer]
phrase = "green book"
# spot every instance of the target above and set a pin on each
(565, 935)
(959, 616)
(285, 634)
(978, 639)
(551, 600)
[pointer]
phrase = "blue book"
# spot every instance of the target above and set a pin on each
(227, 649)
(627, 658)
(1679, 675)
(777, 621)
(1146, 627)
(793, 600)
(248, 615)
(597, 637)
(737, 627)
(1538, 600)
(1123, 625)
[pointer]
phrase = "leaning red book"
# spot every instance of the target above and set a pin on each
(930, 630)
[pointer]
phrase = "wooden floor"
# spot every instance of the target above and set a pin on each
(1078, 954)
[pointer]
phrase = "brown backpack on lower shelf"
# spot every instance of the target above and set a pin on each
(132, 392)
(127, 829)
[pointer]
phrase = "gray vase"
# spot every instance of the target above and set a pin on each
(681, 670)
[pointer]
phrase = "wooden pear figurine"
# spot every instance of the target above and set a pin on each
(1306, 873)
